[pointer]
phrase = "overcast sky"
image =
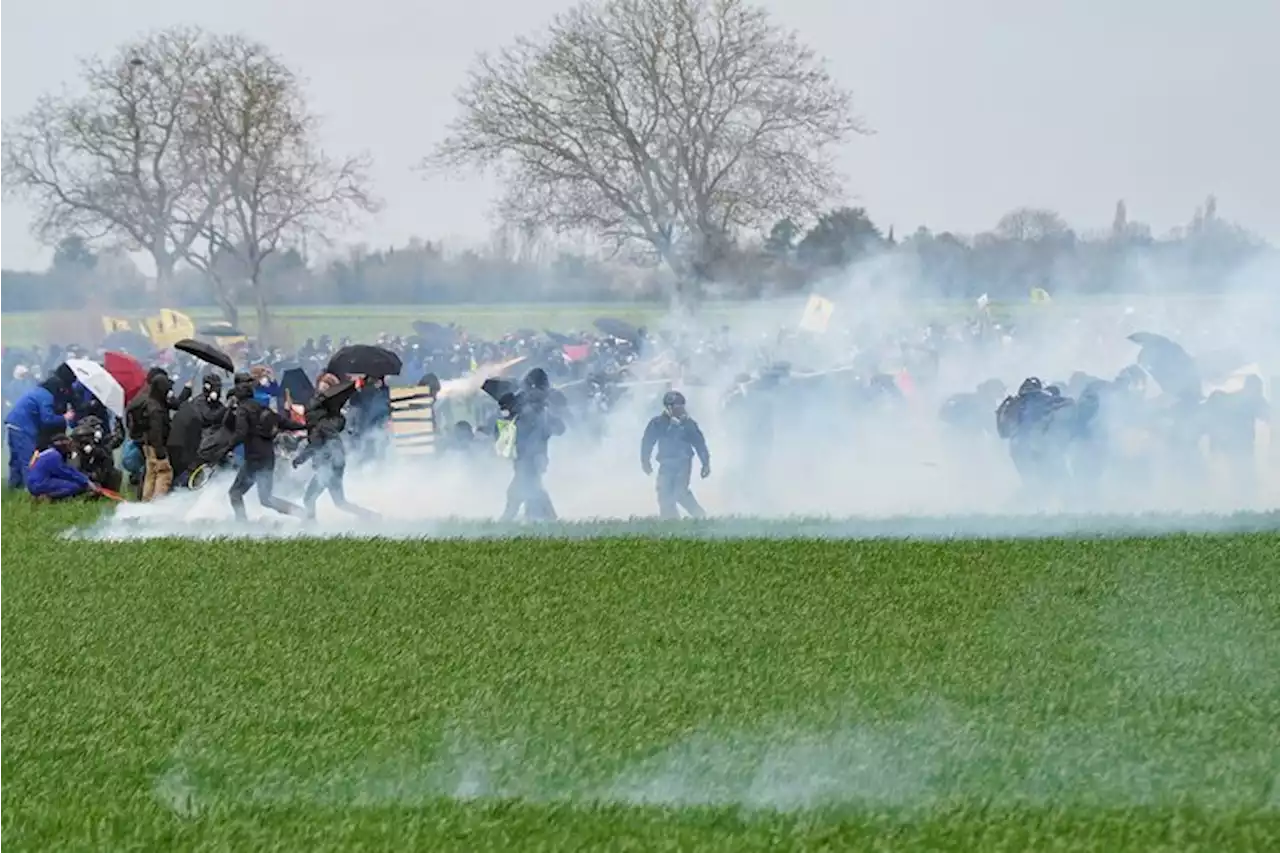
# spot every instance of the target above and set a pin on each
(979, 106)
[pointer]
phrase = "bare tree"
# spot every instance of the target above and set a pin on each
(122, 160)
(665, 124)
(279, 186)
(1032, 224)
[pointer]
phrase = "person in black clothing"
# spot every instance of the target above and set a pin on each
(256, 428)
(196, 421)
(325, 424)
(94, 450)
(535, 422)
(677, 438)
(142, 428)
(155, 438)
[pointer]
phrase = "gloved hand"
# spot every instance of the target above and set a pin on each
(297, 462)
(706, 471)
(646, 467)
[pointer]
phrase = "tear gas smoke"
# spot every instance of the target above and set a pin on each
(834, 451)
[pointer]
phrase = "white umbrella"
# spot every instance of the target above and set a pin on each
(100, 383)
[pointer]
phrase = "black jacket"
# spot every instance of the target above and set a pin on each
(677, 441)
(324, 436)
(536, 422)
(256, 428)
(156, 410)
(195, 419)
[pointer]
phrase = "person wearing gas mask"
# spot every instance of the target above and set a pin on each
(93, 453)
(255, 428)
(158, 478)
(52, 477)
(678, 439)
(196, 422)
(148, 422)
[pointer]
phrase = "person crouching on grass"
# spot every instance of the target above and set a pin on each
(52, 477)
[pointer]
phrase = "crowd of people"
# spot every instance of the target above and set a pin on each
(190, 422)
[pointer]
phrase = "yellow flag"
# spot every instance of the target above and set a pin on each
(115, 324)
(1040, 296)
(168, 327)
(817, 314)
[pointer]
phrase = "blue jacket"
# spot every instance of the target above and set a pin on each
(268, 396)
(36, 414)
(51, 476)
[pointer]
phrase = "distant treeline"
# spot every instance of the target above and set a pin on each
(1028, 248)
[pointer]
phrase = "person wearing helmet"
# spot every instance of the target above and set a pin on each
(677, 439)
(1037, 442)
(535, 420)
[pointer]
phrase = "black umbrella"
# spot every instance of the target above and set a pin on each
(365, 360)
(297, 385)
(220, 330)
(133, 343)
(434, 334)
(207, 353)
(558, 338)
(1168, 363)
(499, 388)
(618, 328)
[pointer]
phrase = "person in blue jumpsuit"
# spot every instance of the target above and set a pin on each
(52, 475)
(37, 416)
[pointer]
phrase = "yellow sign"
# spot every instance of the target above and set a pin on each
(115, 324)
(1040, 296)
(817, 314)
(168, 327)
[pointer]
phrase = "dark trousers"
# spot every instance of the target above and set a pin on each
(526, 490)
(329, 478)
(262, 475)
(674, 476)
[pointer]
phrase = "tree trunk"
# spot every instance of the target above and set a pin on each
(164, 277)
(265, 337)
(226, 302)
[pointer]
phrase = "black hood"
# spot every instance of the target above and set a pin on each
(161, 385)
(60, 390)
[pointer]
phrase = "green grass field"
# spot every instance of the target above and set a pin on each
(366, 322)
(639, 693)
